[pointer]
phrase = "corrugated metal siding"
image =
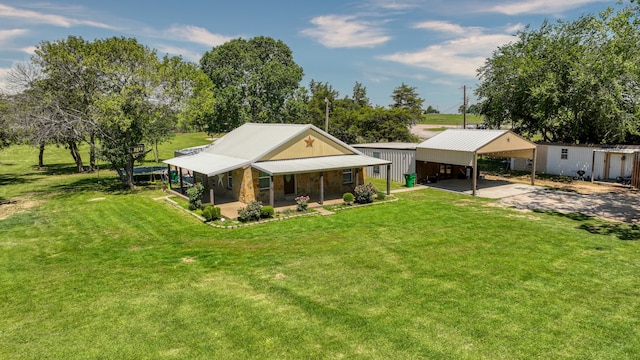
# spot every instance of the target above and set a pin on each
(598, 165)
(404, 162)
(578, 158)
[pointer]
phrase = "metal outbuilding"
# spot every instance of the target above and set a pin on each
(462, 147)
(402, 155)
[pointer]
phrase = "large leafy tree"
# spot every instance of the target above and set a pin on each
(406, 97)
(60, 97)
(253, 78)
(572, 82)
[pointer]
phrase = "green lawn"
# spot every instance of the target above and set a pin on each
(92, 272)
(450, 119)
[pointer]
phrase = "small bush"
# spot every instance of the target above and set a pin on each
(211, 213)
(194, 194)
(381, 195)
(363, 194)
(347, 198)
(302, 202)
(267, 212)
(252, 212)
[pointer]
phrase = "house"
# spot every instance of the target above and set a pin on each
(605, 163)
(454, 153)
(269, 162)
(402, 155)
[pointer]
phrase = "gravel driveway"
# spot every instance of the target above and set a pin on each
(616, 206)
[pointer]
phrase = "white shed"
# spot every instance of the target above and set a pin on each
(402, 155)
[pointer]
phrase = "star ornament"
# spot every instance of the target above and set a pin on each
(309, 141)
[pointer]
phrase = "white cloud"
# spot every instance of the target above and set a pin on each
(461, 57)
(28, 50)
(540, 6)
(186, 54)
(447, 27)
(341, 31)
(197, 35)
(10, 34)
(42, 18)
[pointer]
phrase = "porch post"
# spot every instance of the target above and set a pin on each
(475, 173)
(169, 176)
(321, 188)
(210, 191)
(533, 169)
(181, 182)
(272, 199)
(358, 177)
(388, 179)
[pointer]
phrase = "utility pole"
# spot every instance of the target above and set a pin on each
(326, 115)
(464, 106)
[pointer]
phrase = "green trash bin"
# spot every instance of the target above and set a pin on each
(410, 180)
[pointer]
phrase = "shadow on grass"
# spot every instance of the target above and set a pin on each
(108, 185)
(58, 169)
(623, 231)
(14, 180)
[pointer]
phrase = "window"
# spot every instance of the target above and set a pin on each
(376, 168)
(264, 180)
(229, 180)
(347, 176)
(564, 154)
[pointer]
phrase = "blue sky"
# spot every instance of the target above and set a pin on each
(435, 46)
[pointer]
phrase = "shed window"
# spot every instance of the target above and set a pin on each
(376, 168)
(564, 154)
(264, 180)
(347, 176)
(229, 180)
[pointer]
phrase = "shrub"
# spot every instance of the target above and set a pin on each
(302, 202)
(381, 195)
(252, 212)
(347, 198)
(194, 194)
(363, 194)
(267, 212)
(211, 213)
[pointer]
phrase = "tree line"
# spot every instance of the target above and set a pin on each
(572, 81)
(122, 99)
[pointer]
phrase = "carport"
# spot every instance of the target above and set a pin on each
(461, 147)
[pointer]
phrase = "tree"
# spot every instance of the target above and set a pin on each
(6, 133)
(406, 97)
(135, 88)
(254, 79)
(55, 97)
(431, 110)
(571, 82)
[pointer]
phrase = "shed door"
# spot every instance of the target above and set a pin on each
(289, 184)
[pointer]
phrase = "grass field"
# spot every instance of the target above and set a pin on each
(449, 119)
(89, 271)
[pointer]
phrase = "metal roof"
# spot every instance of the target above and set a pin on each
(466, 140)
(208, 164)
(387, 145)
(250, 142)
(323, 163)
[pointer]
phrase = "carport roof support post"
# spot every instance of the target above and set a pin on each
(475, 173)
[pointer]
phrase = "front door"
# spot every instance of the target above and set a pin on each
(289, 184)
